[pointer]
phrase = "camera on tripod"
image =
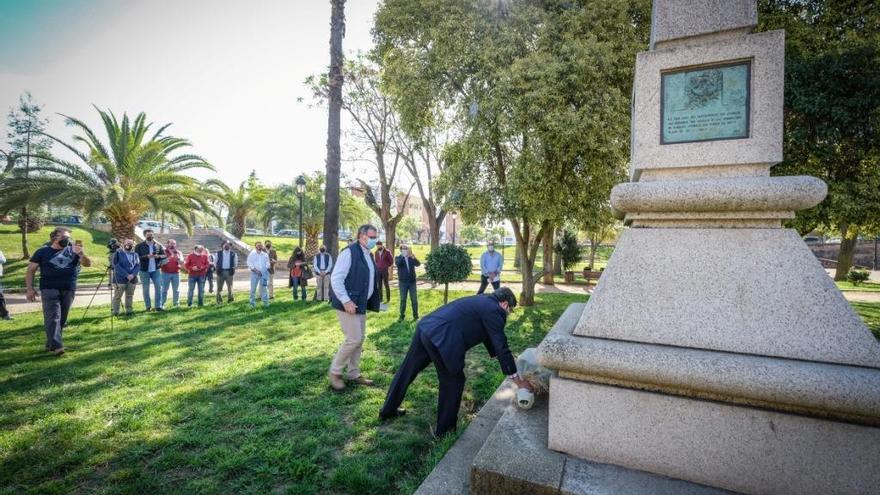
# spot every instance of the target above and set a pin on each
(112, 246)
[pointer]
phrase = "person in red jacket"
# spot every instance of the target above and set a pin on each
(384, 261)
(196, 265)
(171, 272)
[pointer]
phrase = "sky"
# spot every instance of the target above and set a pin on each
(227, 73)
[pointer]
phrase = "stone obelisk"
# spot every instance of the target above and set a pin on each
(715, 349)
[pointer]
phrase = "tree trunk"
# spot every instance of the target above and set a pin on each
(557, 264)
(527, 296)
(517, 257)
(847, 252)
(312, 246)
(594, 245)
(238, 226)
(434, 233)
(121, 230)
(333, 165)
(548, 256)
(23, 225)
(446, 293)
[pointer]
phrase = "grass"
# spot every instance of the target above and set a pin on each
(94, 244)
(224, 400)
(870, 313)
(863, 287)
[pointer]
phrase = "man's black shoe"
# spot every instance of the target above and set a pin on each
(398, 413)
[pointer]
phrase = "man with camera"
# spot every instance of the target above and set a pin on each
(126, 265)
(59, 264)
(151, 254)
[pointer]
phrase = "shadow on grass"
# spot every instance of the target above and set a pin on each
(227, 400)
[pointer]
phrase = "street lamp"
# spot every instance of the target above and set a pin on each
(300, 190)
(454, 216)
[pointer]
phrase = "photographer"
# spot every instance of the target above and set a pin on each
(59, 266)
(125, 264)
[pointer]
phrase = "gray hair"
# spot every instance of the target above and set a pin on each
(366, 228)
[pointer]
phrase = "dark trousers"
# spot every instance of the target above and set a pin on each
(3, 311)
(484, 281)
(422, 353)
(56, 307)
(209, 278)
(298, 283)
(408, 288)
(384, 280)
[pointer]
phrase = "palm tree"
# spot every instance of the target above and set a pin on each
(123, 179)
(240, 203)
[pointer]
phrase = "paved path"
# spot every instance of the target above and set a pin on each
(17, 303)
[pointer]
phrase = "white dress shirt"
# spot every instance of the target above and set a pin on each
(258, 260)
(343, 264)
(226, 260)
(322, 259)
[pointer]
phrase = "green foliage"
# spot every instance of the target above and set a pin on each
(568, 249)
(832, 107)
(122, 178)
(408, 227)
(448, 263)
(857, 277)
(240, 203)
(471, 233)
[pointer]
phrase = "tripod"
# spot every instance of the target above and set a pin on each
(95, 293)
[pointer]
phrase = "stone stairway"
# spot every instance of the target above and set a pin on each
(212, 241)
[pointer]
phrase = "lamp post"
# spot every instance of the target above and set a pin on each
(453, 228)
(300, 190)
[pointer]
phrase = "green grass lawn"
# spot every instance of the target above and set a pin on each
(224, 400)
(94, 244)
(863, 287)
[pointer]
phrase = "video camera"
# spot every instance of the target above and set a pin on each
(112, 245)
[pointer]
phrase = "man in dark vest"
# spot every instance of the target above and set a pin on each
(443, 338)
(354, 284)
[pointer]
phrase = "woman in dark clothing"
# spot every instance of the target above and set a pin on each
(296, 264)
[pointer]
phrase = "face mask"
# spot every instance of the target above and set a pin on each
(64, 242)
(129, 248)
(322, 250)
(371, 243)
(491, 248)
(381, 248)
(150, 238)
(226, 248)
(404, 252)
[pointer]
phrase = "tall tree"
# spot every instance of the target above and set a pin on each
(541, 91)
(334, 129)
(241, 203)
(832, 111)
(26, 143)
(375, 128)
(132, 172)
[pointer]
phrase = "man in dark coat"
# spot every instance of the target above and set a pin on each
(443, 337)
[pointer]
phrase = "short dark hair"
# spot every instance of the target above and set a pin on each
(505, 294)
(363, 229)
(57, 231)
(148, 230)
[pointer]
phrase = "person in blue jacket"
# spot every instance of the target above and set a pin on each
(443, 338)
(126, 266)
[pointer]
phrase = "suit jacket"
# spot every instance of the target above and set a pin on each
(464, 323)
(143, 251)
(406, 274)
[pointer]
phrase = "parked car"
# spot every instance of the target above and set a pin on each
(66, 220)
(287, 233)
(812, 239)
(253, 232)
(149, 224)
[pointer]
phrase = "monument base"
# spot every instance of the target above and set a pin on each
(515, 460)
(739, 448)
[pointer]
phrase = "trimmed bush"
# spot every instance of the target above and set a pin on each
(448, 263)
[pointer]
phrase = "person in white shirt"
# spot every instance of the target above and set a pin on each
(323, 264)
(354, 283)
(258, 264)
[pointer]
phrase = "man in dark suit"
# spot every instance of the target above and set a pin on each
(406, 278)
(443, 337)
(224, 265)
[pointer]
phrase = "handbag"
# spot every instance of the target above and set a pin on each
(307, 272)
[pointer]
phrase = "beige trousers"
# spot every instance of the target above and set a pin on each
(118, 291)
(322, 291)
(354, 327)
(271, 284)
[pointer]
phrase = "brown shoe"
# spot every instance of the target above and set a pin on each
(363, 381)
(336, 382)
(58, 351)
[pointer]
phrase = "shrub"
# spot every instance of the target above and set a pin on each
(567, 249)
(856, 277)
(448, 263)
